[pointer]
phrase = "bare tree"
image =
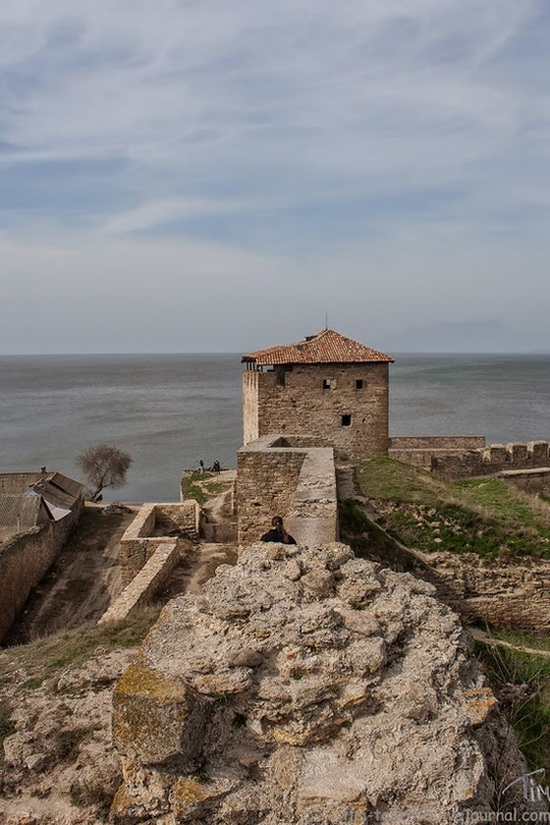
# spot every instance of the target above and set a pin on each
(104, 465)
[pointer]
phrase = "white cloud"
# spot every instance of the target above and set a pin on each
(313, 141)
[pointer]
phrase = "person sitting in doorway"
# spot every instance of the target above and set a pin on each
(278, 532)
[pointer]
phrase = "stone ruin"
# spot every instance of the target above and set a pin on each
(309, 687)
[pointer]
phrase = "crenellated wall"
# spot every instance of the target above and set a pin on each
(493, 459)
(467, 456)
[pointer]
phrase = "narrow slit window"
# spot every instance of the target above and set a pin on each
(346, 420)
(359, 384)
(327, 383)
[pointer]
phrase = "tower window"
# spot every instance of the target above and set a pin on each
(359, 384)
(346, 420)
(327, 383)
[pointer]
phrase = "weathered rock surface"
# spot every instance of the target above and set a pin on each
(59, 767)
(311, 687)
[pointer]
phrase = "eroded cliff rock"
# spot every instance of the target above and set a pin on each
(307, 686)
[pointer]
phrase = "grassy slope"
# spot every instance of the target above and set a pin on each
(484, 516)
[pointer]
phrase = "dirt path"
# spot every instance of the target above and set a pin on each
(81, 583)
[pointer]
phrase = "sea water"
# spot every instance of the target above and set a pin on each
(169, 411)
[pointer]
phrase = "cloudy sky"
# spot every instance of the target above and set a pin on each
(218, 175)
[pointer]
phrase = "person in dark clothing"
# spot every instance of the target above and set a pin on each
(278, 532)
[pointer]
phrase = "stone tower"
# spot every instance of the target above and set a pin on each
(326, 386)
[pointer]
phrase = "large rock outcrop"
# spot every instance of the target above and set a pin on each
(308, 686)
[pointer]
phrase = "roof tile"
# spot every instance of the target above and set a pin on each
(326, 347)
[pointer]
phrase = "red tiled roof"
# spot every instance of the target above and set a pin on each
(326, 347)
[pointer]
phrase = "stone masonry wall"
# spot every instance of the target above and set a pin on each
(298, 484)
(294, 401)
(493, 459)
(266, 479)
(313, 515)
(534, 482)
(138, 543)
(504, 596)
(24, 561)
(437, 442)
(153, 575)
(421, 450)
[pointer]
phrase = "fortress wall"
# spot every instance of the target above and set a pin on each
(313, 515)
(184, 516)
(16, 483)
(294, 401)
(493, 459)
(24, 561)
(150, 579)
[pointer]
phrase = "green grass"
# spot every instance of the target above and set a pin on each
(521, 682)
(482, 516)
(51, 655)
(214, 488)
(191, 488)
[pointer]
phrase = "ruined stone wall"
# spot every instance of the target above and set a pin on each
(150, 579)
(321, 399)
(503, 595)
(25, 559)
(139, 542)
(15, 483)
